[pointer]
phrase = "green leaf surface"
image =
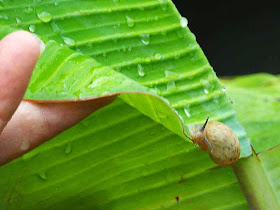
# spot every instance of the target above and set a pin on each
(119, 158)
(256, 99)
(138, 164)
(146, 41)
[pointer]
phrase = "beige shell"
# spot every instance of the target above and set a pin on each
(225, 144)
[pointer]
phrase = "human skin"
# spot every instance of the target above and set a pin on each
(23, 124)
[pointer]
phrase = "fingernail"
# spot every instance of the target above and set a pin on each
(41, 45)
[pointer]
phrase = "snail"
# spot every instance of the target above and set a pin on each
(218, 139)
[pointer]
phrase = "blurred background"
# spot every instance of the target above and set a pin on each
(235, 38)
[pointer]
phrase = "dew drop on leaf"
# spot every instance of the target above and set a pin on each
(32, 28)
(69, 41)
(43, 175)
(224, 89)
(68, 149)
(194, 37)
(44, 16)
(130, 22)
(145, 38)
(171, 85)
(157, 56)
(54, 27)
(184, 22)
(28, 10)
(206, 91)
(216, 99)
(187, 111)
(206, 84)
(3, 17)
(141, 71)
(124, 49)
(170, 74)
(18, 20)
(163, 5)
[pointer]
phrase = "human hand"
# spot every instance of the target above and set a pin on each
(25, 125)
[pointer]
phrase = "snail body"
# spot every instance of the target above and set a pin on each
(219, 140)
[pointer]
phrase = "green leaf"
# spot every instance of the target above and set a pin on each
(119, 158)
(256, 99)
(178, 71)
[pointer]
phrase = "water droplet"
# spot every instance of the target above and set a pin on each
(104, 54)
(24, 145)
(54, 27)
(28, 10)
(184, 22)
(206, 84)
(68, 149)
(4, 17)
(145, 38)
(156, 18)
(130, 22)
(18, 21)
(43, 175)
(56, 3)
(194, 37)
(187, 111)
(89, 44)
(224, 89)
(163, 5)
(171, 85)
(141, 71)
(69, 41)
(124, 48)
(171, 75)
(158, 56)
(32, 28)
(206, 91)
(44, 16)
(216, 99)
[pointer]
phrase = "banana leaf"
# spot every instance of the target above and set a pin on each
(133, 153)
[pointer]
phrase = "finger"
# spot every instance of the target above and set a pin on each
(19, 52)
(32, 124)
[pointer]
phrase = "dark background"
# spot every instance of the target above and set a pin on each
(236, 39)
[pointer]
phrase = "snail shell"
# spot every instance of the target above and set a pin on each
(224, 148)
